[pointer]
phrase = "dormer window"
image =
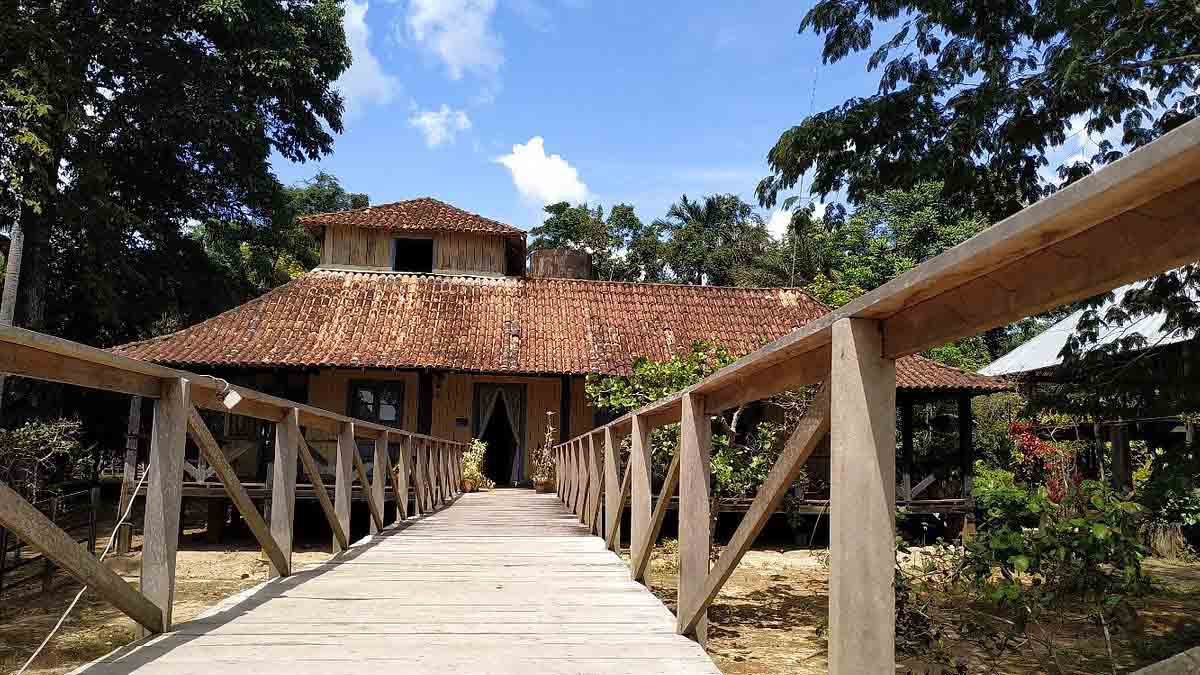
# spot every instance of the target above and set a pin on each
(411, 254)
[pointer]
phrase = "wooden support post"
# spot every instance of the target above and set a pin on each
(966, 455)
(343, 481)
(375, 509)
(283, 487)
(906, 453)
(581, 478)
(314, 474)
(47, 561)
(379, 478)
(403, 468)
(164, 496)
(639, 489)
(215, 529)
(811, 430)
(863, 502)
(418, 472)
(1122, 467)
(614, 497)
(257, 525)
(133, 431)
(695, 451)
(597, 467)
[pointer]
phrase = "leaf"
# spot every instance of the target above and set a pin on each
(1100, 531)
(1020, 563)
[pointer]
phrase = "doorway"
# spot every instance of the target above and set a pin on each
(499, 418)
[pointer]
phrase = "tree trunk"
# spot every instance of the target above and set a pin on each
(12, 281)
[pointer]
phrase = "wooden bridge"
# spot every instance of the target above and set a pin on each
(513, 581)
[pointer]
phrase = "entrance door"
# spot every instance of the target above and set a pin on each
(500, 422)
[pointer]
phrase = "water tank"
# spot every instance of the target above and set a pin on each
(560, 263)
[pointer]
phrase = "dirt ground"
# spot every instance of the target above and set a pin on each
(765, 620)
(205, 575)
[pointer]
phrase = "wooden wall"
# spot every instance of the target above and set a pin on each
(329, 389)
(453, 252)
(357, 247)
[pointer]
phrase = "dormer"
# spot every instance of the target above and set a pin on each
(418, 236)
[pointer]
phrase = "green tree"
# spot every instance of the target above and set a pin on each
(708, 241)
(976, 97)
(622, 247)
(123, 121)
(262, 256)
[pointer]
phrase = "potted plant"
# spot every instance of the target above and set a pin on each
(543, 463)
(473, 479)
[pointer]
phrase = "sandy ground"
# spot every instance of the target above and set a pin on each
(764, 621)
(205, 575)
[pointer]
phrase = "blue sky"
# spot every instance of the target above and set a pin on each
(502, 106)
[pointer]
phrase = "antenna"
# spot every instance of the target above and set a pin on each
(812, 101)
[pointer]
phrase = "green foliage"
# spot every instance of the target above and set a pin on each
(1171, 493)
(994, 416)
(622, 247)
(122, 123)
(260, 256)
(472, 465)
(1002, 501)
(974, 96)
(39, 451)
(710, 242)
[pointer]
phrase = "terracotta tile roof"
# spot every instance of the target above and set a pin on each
(419, 215)
(512, 325)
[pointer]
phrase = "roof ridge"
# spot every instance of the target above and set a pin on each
(431, 204)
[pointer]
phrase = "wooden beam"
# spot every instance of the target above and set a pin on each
(670, 482)
(613, 539)
(22, 519)
(640, 475)
(1164, 236)
(204, 440)
(596, 456)
(283, 490)
(343, 480)
(402, 470)
(813, 427)
(419, 478)
(133, 431)
(862, 539)
(374, 508)
(164, 495)
(695, 452)
(379, 479)
(314, 476)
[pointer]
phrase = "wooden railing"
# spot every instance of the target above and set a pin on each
(1133, 219)
(431, 466)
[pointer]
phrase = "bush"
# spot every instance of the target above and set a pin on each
(38, 452)
(998, 496)
(472, 466)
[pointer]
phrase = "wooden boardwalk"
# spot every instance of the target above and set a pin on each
(499, 582)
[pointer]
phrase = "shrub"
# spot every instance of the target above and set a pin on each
(998, 496)
(472, 469)
(37, 452)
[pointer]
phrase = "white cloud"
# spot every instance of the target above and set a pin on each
(541, 178)
(459, 33)
(778, 223)
(365, 81)
(440, 126)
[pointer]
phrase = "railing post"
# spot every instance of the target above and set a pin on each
(129, 474)
(419, 477)
(47, 564)
(378, 477)
(164, 496)
(580, 482)
(402, 469)
(613, 498)
(283, 487)
(343, 480)
(639, 487)
(694, 537)
(597, 468)
(94, 498)
(863, 501)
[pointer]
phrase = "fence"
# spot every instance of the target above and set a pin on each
(1132, 219)
(431, 466)
(75, 513)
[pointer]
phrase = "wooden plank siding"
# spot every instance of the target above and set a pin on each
(453, 252)
(453, 400)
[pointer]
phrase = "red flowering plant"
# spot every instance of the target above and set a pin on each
(1047, 462)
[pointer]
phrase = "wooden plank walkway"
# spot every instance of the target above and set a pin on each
(499, 582)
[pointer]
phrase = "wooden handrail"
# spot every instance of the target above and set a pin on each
(178, 394)
(1051, 253)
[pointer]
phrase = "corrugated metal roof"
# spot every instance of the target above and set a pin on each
(1043, 350)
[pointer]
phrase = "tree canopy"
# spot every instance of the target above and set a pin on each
(124, 121)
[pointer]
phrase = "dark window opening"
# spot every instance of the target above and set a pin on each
(412, 255)
(379, 401)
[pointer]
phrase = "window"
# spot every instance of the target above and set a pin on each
(412, 255)
(379, 401)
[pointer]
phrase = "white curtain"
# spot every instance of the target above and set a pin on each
(512, 403)
(488, 406)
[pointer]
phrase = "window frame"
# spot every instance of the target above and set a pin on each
(376, 387)
(396, 242)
